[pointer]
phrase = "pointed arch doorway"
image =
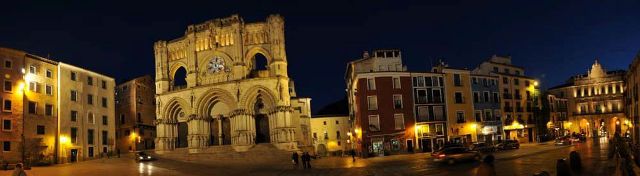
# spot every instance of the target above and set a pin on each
(261, 122)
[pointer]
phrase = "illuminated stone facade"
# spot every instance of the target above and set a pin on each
(331, 134)
(631, 97)
(229, 97)
(595, 102)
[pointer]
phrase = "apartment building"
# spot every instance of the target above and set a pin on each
(136, 112)
(462, 127)
(429, 109)
(331, 134)
(486, 105)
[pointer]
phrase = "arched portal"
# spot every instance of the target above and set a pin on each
(175, 112)
(180, 78)
(220, 125)
(261, 121)
(260, 62)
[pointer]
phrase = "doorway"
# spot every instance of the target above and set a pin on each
(182, 135)
(74, 155)
(262, 128)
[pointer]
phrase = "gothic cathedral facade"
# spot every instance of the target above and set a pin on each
(212, 90)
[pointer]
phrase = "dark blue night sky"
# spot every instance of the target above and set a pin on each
(551, 39)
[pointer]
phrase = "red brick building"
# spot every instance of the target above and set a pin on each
(380, 104)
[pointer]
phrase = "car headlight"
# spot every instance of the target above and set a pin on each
(141, 157)
(148, 157)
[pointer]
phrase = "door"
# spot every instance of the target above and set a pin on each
(410, 146)
(183, 131)
(262, 128)
(74, 155)
(426, 145)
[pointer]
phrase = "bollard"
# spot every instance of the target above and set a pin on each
(562, 168)
(574, 160)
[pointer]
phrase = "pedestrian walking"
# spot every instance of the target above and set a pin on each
(308, 159)
(18, 171)
(353, 155)
(487, 168)
(294, 159)
(304, 160)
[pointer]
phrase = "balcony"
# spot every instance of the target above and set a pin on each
(598, 112)
(508, 109)
(507, 96)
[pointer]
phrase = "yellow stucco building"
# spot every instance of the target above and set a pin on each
(331, 134)
(462, 127)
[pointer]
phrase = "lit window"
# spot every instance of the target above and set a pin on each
(371, 84)
(399, 121)
(374, 123)
(372, 102)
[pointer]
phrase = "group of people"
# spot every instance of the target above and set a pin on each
(306, 159)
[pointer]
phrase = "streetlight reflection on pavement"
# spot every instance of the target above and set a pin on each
(143, 166)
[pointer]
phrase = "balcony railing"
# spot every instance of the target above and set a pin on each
(508, 109)
(598, 112)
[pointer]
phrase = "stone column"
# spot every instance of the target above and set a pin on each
(242, 134)
(166, 135)
(199, 133)
(283, 131)
(220, 138)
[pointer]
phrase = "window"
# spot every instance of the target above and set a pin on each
(474, 80)
(48, 109)
(89, 99)
(438, 113)
(6, 146)
(122, 120)
(421, 96)
(460, 116)
(74, 135)
(337, 122)
(338, 135)
(372, 102)
(74, 76)
(459, 98)
(505, 80)
(315, 135)
(506, 70)
(476, 97)
(48, 89)
(74, 116)
(49, 73)
(420, 81)
(485, 82)
(74, 95)
(488, 116)
(485, 96)
(517, 72)
(478, 115)
(324, 122)
(90, 136)
(397, 101)
(104, 84)
(495, 69)
(457, 80)
(399, 121)
(6, 125)
(371, 84)
(32, 69)
(90, 80)
(105, 120)
(440, 129)
(423, 113)
(40, 130)
(436, 96)
(104, 102)
(8, 86)
(8, 64)
(91, 119)
(32, 86)
(374, 123)
(32, 107)
(7, 106)
(396, 83)
(105, 136)
(516, 81)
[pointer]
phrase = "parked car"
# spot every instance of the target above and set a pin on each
(565, 140)
(452, 155)
(483, 147)
(141, 156)
(508, 144)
